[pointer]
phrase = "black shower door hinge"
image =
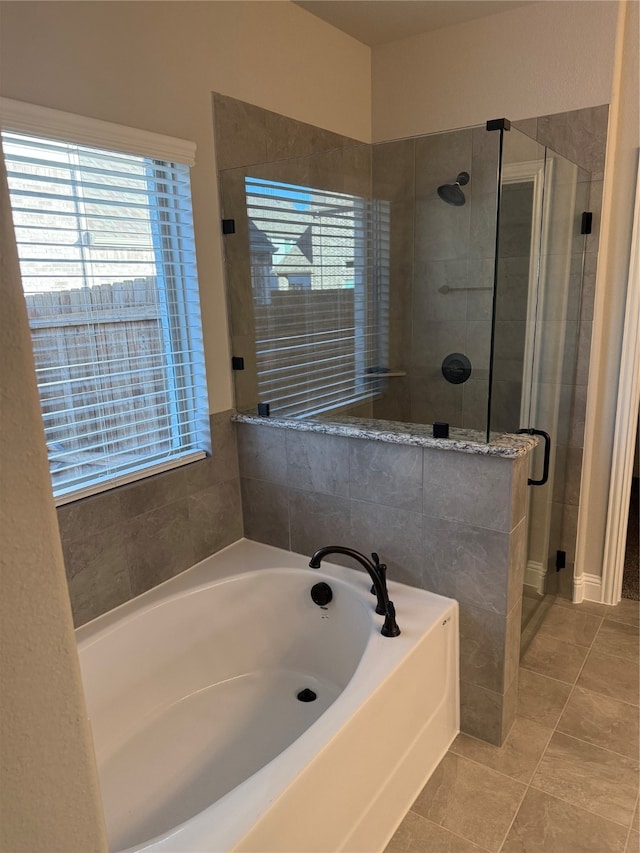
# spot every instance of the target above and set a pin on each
(228, 226)
(499, 124)
(587, 222)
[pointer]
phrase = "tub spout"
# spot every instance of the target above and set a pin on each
(384, 606)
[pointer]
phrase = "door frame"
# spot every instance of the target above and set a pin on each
(626, 424)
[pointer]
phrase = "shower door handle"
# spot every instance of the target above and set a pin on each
(547, 454)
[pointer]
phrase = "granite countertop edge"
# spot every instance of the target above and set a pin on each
(507, 445)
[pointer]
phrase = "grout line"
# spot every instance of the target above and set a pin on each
(535, 770)
(486, 766)
(553, 731)
(542, 675)
(580, 808)
(631, 829)
(550, 677)
(446, 828)
(606, 696)
(595, 746)
(556, 730)
(621, 622)
(595, 637)
(515, 814)
(575, 682)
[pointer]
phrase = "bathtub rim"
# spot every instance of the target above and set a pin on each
(215, 569)
(211, 570)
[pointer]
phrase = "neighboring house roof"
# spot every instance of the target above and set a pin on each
(291, 261)
(258, 240)
(305, 243)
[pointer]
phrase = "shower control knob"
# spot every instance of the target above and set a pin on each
(456, 368)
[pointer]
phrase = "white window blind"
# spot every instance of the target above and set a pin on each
(105, 241)
(319, 273)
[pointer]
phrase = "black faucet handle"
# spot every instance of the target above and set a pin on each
(390, 627)
(381, 568)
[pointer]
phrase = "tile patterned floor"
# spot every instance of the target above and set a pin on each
(566, 779)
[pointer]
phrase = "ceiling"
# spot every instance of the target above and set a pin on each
(376, 22)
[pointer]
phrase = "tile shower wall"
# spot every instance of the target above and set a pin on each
(120, 543)
(452, 523)
(441, 273)
(511, 306)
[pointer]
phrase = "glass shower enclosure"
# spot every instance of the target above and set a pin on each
(436, 278)
(539, 270)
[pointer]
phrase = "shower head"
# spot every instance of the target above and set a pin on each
(451, 193)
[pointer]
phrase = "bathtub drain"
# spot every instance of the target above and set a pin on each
(307, 695)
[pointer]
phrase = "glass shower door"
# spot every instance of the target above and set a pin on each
(538, 289)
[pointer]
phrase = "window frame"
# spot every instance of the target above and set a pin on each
(29, 119)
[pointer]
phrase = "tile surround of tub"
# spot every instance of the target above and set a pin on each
(120, 543)
(425, 511)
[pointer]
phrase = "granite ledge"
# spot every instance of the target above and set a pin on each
(507, 445)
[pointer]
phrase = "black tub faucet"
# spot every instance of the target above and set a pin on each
(384, 606)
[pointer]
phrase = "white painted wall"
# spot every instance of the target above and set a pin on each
(545, 58)
(620, 178)
(50, 797)
(153, 65)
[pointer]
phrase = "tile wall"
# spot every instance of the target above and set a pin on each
(449, 522)
(433, 246)
(441, 273)
(120, 543)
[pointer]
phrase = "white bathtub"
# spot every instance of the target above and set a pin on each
(201, 742)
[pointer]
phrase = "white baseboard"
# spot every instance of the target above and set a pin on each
(534, 575)
(587, 588)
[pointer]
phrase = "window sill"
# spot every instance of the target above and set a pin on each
(132, 477)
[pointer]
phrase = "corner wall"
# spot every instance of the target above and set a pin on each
(535, 60)
(50, 794)
(596, 537)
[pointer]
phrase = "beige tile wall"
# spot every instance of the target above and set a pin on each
(449, 522)
(433, 245)
(120, 543)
